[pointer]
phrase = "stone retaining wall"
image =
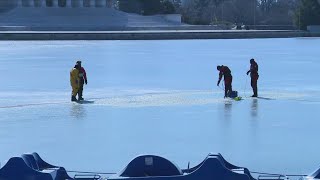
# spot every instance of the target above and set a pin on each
(314, 28)
(152, 35)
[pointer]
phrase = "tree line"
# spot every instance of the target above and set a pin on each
(298, 13)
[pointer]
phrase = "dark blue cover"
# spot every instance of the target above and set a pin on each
(214, 167)
(31, 167)
(17, 169)
(315, 175)
(150, 165)
(233, 94)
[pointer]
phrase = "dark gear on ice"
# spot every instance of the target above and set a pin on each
(254, 77)
(74, 82)
(82, 80)
(225, 72)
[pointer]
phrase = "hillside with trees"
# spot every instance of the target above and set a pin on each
(295, 13)
(307, 13)
(298, 13)
(292, 13)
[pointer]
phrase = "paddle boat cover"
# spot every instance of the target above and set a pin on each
(31, 167)
(149, 167)
(144, 167)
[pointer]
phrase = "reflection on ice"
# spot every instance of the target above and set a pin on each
(254, 107)
(77, 111)
(228, 109)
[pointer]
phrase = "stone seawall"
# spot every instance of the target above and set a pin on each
(150, 35)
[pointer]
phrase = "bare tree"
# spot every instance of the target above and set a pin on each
(202, 11)
(250, 12)
(266, 5)
(240, 11)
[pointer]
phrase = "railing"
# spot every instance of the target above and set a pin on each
(64, 3)
(87, 177)
(272, 177)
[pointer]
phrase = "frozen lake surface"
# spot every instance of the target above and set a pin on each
(160, 97)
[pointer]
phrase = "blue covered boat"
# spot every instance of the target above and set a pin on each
(145, 167)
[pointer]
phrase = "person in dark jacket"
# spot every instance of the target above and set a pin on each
(225, 72)
(83, 80)
(254, 77)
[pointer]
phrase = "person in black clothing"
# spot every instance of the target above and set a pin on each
(254, 77)
(225, 72)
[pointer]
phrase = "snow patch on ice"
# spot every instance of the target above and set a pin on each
(139, 98)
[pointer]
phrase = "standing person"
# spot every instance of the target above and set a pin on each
(226, 73)
(74, 81)
(254, 77)
(83, 79)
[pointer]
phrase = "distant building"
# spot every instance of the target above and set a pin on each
(65, 3)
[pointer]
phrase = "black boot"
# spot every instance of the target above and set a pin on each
(255, 92)
(73, 98)
(80, 91)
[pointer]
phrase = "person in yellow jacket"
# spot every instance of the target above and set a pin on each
(74, 81)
